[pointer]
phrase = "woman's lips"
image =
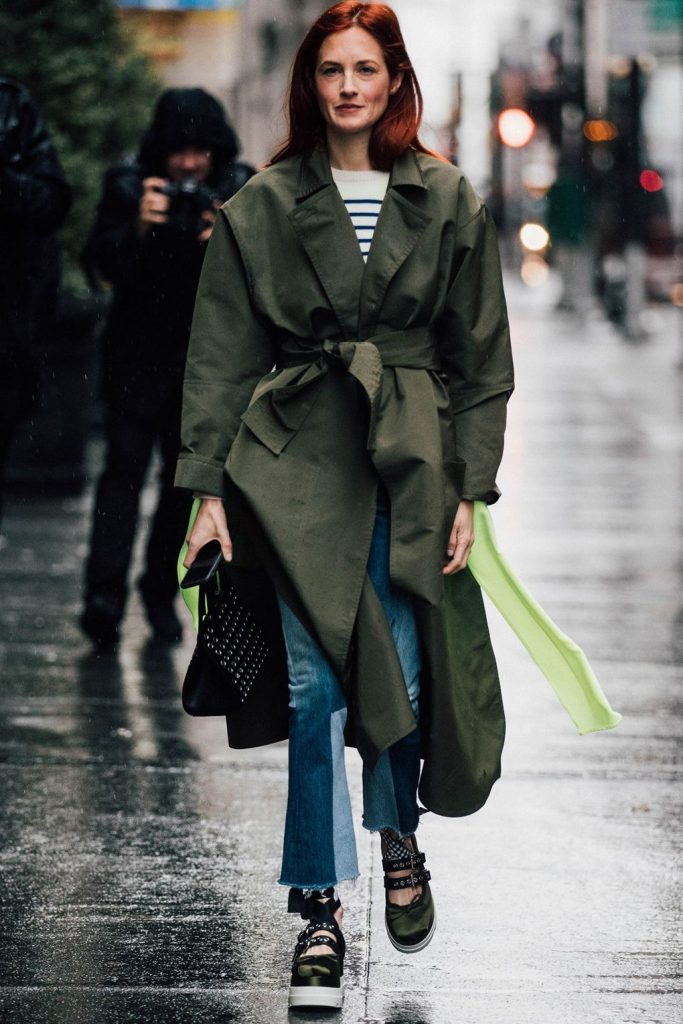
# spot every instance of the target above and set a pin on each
(348, 106)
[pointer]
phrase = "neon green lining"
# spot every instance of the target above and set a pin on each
(191, 595)
(561, 661)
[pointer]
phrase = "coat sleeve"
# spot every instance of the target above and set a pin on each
(476, 356)
(230, 350)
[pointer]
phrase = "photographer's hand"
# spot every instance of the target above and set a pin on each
(209, 216)
(153, 204)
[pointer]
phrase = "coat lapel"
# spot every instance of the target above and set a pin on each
(324, 228)
(399, 226)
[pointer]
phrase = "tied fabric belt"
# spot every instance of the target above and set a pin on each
(282, 401)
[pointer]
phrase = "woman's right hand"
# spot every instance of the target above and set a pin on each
(211, 524)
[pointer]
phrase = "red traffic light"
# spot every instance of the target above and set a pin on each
(651, 181)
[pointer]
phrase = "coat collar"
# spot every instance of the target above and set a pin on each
(315, 173)
(355, 289)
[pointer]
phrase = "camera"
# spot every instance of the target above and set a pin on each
(188, 200)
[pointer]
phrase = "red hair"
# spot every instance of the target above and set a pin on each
(398, 126)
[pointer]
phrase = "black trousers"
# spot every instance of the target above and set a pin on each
(132, 435)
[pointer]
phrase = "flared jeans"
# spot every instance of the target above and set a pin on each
(319, 843)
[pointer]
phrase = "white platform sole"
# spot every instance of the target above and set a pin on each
(325, 998)
(418, 946)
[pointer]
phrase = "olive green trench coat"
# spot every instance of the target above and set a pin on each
(311, 375)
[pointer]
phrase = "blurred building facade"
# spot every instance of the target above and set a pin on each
(191, 43)
(240, 50)
(270, 35)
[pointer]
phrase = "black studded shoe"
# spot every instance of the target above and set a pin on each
(410, 928)
(317, 981)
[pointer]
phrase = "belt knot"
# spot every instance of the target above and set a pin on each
(339, 353)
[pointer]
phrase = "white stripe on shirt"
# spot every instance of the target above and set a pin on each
(363, 193)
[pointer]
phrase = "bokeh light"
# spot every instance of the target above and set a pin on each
(537, 177)
(515, 127)
(534, 237)
(600, 131)
(651, 181)
(534, 271)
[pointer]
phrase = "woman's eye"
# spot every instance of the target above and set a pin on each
(328, 72)
(370, 71)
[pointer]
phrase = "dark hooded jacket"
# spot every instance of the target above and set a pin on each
(155, 277)
(34, 200)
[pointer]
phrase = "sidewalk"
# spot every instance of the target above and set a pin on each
(139, 853)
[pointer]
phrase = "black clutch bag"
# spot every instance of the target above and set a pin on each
(232, 653)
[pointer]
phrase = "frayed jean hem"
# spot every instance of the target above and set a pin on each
(380, 828)
(317, 885)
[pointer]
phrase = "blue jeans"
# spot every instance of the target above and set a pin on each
(320, 844)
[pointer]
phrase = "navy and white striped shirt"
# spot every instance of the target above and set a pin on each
(363, 193)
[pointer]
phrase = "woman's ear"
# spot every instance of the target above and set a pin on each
(396, 83)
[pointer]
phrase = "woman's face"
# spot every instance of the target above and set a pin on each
(352, 82)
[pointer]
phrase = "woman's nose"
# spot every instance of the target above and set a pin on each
(348, 85)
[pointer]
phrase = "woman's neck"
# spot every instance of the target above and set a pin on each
(349, 152)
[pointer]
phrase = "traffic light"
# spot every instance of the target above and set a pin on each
(650, 180)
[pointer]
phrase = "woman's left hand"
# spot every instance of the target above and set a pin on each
(461, 539)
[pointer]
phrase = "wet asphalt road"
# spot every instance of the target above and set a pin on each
(138, 853)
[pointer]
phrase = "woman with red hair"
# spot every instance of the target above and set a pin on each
(344, 403)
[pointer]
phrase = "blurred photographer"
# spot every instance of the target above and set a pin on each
(148, 244)
(34, 200)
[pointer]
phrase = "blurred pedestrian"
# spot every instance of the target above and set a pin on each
(353, 467)
(569, 225)
(34, 200)
(153, 223)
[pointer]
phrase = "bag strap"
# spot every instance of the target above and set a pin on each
(207, 600)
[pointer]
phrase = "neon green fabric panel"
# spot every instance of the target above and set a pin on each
(190, 596)
(561, 661)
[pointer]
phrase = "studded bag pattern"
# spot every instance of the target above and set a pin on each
(231, 638)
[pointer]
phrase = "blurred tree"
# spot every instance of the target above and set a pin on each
(95, 90)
